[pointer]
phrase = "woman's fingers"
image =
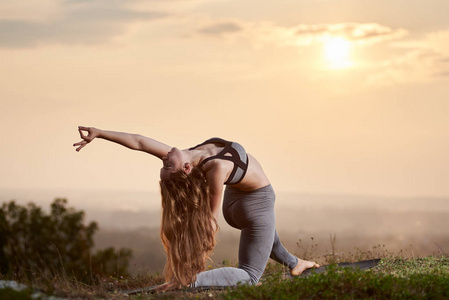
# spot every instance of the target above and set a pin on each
(80, 144)
(167, 287)
(163, 287)
(85, 139)
(81, 129)
(90, 135)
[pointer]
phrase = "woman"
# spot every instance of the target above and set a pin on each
(192, 189)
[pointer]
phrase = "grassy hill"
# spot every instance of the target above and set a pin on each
(393, 278)
(398, 278)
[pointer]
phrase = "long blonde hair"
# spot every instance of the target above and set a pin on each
(188, 227)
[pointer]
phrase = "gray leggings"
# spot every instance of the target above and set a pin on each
(252, 213)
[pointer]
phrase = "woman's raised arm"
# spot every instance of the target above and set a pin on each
(129, 140)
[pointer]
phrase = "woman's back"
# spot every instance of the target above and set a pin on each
(243, 171)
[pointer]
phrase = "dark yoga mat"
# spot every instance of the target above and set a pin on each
(361, 265)
(152, 289)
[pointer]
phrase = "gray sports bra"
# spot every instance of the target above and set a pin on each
(237, 155)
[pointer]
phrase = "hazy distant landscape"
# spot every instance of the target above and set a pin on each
(416, 225)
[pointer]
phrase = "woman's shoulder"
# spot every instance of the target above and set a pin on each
(214, 140)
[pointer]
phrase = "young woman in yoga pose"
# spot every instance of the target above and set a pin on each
(192, 190)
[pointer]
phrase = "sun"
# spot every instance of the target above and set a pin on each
(337, 52)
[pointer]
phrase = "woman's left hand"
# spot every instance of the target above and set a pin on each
(168, 286)
(92, 133)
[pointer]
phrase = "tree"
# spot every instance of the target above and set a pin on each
(32, 241)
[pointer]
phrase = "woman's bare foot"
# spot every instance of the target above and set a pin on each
(303, 265)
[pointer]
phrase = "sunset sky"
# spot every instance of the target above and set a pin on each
(332, 96)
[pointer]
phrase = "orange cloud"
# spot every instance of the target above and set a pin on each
(303, 35)
(418, 61)
(77, 22)
(220, 28)
(368, 33)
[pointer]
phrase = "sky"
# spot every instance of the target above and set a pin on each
(331, 96)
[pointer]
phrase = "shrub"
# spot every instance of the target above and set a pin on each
(32, 241)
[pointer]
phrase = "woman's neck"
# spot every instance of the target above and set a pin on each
(194, 156)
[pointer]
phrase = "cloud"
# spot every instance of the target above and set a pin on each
(398, 57)
(358, 32)
(220, 28)
(81, 22)
(418, 60)
(302, 35)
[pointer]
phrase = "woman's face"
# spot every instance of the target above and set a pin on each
(172, 162)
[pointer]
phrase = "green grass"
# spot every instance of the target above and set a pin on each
(394, 278)
(422, 278)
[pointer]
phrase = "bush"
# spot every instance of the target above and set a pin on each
(32, 241)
